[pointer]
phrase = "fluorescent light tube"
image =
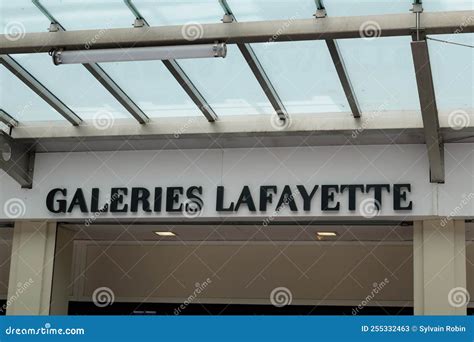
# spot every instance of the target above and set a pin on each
(165, 233)
(139, 54)
(325, 234)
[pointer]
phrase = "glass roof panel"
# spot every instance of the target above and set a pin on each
(370, 7)
(303, 75)
(343, 8)
(73, 85)
(21, 102)
(228, 84)
(453, 71)
(448, 5)
(255, 10)
(179, 12)
(90, 14)
(21, 16)
(382, 72)
(152, 88)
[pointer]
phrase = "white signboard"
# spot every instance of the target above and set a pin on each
(356, 182)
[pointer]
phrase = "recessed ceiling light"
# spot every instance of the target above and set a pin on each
(326, 234)
(165, 233)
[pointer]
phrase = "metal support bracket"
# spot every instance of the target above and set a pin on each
(320, 9)
(17, 160)
(417, 10)
(228, 18)
(321, 13)
(55, 27)
(139, 22)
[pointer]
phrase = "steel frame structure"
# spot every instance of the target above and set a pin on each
(99, 74)
(241, 32)
(417, 25)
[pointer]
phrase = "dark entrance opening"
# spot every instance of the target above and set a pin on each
(89, 308)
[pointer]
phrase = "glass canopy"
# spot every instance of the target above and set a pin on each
(453, 82)
(382, 73)
(305, 86)
(302, 73)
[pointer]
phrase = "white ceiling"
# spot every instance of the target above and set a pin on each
(248, 232)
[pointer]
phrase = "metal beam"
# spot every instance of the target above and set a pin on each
(429, 110)
(343, 77)
(117, 92)
(17, 160)
(28, 79)
(338, 62)
(7, 119)
(179, 74)
(320, 9)
(247, 32)
(135, 11)
(257, 68)
(403, 127)
(263, 80)
(101, 75)
(390, 121)
(190, 89)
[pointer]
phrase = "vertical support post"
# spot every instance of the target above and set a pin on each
(39, 266)
(439, 266)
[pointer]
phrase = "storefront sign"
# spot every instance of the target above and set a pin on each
(297, 198)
